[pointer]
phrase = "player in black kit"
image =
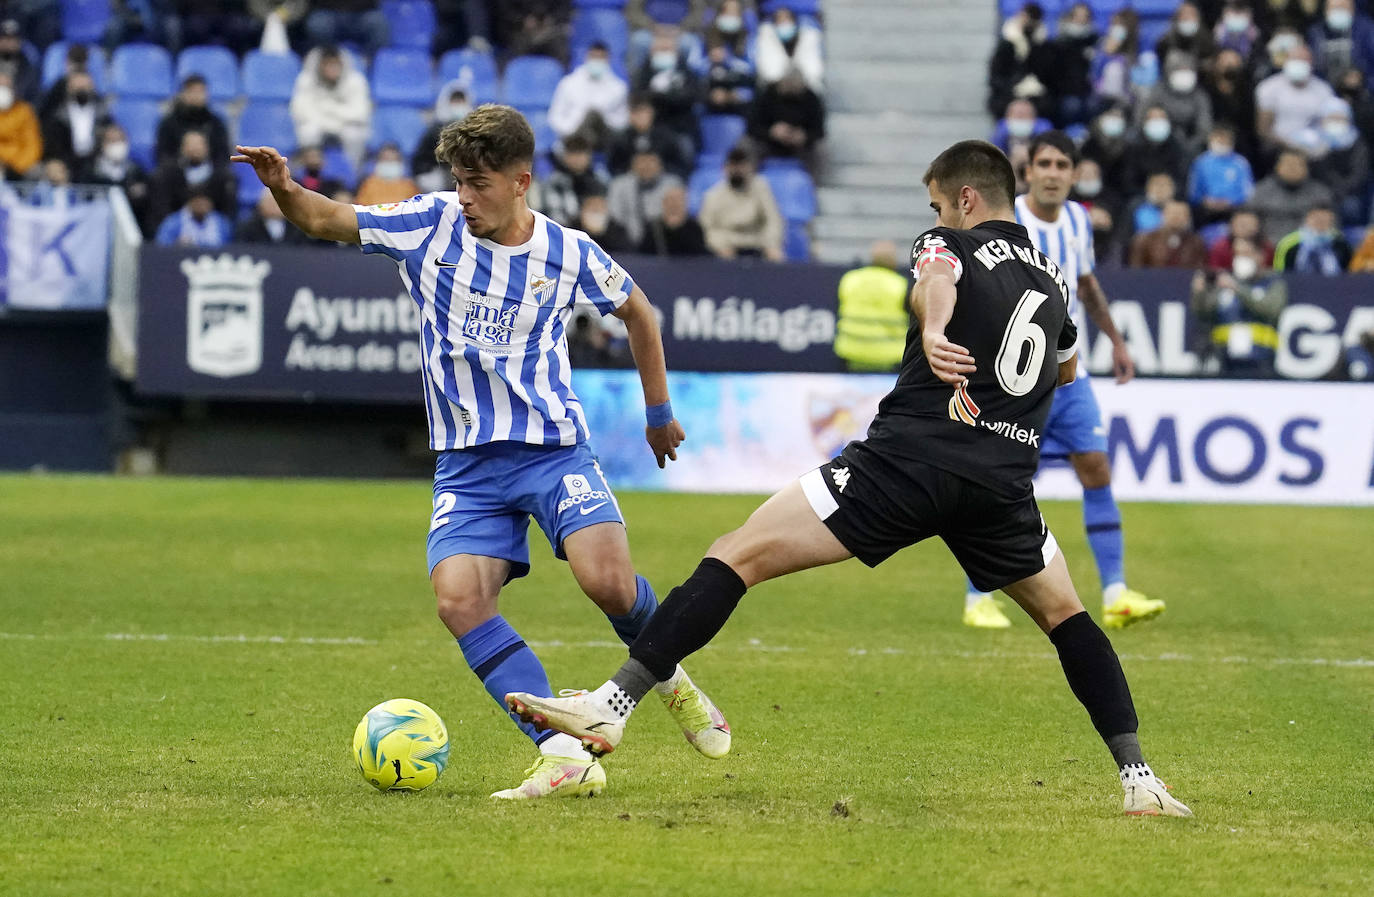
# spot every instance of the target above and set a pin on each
(951, 454)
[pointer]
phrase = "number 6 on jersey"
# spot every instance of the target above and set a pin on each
(1015, 376)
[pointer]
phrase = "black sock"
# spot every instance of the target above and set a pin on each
(1095, 676)
(688, 618)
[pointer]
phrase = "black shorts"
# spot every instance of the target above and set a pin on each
(877, 505)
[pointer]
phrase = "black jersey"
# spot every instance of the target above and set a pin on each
(1012, 316)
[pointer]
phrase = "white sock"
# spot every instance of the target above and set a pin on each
(613, 700)
(672, 683)
(1112, 592)
(1136, 772)
(561, 745)
(973, 598)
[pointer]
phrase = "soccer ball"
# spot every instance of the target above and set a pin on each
(401, 745)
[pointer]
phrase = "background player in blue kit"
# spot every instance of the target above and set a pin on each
(1061, 230)
(496, 283)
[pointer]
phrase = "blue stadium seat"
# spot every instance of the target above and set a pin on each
(269, 76)
(402, 77)
(477, 69)
(249, 187)
(339, 167)
(811, 7)
(796, 242)
(1010, 8)
(217, 65)
(667, 11)
(720, 132)
(267, 123)
(599, 4)
(141, 70)
(412, 23)
(544, 137)
(55, 65)
(794, 191)
(605, 25)
(139, 118)
(530, 81)
(402, 125)
(1154, 9)
(702, 179)
(84, 21)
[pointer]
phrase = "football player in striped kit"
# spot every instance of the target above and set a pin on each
(1060, 229)
(496, 283)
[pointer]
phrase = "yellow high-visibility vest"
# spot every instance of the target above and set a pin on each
(871, 329)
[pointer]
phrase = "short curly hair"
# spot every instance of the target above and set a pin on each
(489, 138)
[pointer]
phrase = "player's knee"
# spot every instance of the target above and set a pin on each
(462, 609)
(611, 588)
(1093, 469)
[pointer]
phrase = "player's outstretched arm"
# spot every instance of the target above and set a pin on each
(933, 299)
(319, 216)
(663, 433)
(1095, 301)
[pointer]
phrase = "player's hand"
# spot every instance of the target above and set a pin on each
(664, 441)
(950, 362)
(268, 164)
(1122, 365)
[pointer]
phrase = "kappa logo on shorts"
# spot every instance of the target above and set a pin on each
(841, 478)
(581, 495)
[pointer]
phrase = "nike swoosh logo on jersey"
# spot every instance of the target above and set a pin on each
(440, 263)
(584, 510)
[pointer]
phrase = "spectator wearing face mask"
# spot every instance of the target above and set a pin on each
(1072, 86)
(195, 224)
(728, 28)
(1290, 101)
(21, 144)
(1154, 149)
(71, 131)
(451, 105)
(1104, 205)
(1318, 247)
(1188, 107)
(1106, 145)
(112, 166)
(1236, 29)
(1116, 53)
(636, 197)
(308, 168)
(740, 215)
(1147, 213)
(1284, 196)
(729, 80)
(1018, 125)
(591, 100)
(192, 169)
(643, 133)
(332, 101)
(1244, 225)
(1220, 180)
(190, 111)
(782, 43)
(673, 88)
(1236, 311)
(1186, 35)
(1023, 64)
(1232, 94)
(572, 180)
(1343, 38)
(388, 181)
(594, 218)
(1350, 86)
(1174, 244)
(674, 232)
(1339, 158)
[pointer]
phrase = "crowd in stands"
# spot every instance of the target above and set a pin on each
(1210, 131)
(674, 127)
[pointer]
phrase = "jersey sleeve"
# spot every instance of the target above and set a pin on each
(397, 228)
(1068, 341)
(936, 247)
(600, 280)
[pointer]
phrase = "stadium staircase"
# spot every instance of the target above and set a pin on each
(904, 79)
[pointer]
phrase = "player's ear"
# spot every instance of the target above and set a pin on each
(522, 182)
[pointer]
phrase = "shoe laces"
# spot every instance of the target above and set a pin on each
(572, 692)
(686, 704)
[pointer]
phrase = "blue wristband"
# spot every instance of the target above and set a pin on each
(659, 415)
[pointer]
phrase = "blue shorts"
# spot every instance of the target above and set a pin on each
(1075, 423)
(484, 497)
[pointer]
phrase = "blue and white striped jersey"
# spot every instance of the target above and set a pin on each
(1068, 242)
(492, 318)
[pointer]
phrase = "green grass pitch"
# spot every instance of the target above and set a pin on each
(184, 662)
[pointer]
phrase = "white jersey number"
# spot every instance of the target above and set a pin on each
(1019, 377)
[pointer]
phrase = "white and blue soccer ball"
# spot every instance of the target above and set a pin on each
(401, 745)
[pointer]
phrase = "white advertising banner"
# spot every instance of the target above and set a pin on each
(1169, 440)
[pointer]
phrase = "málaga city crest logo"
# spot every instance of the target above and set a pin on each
(224, 314)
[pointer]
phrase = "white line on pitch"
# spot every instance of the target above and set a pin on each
(753, 645)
